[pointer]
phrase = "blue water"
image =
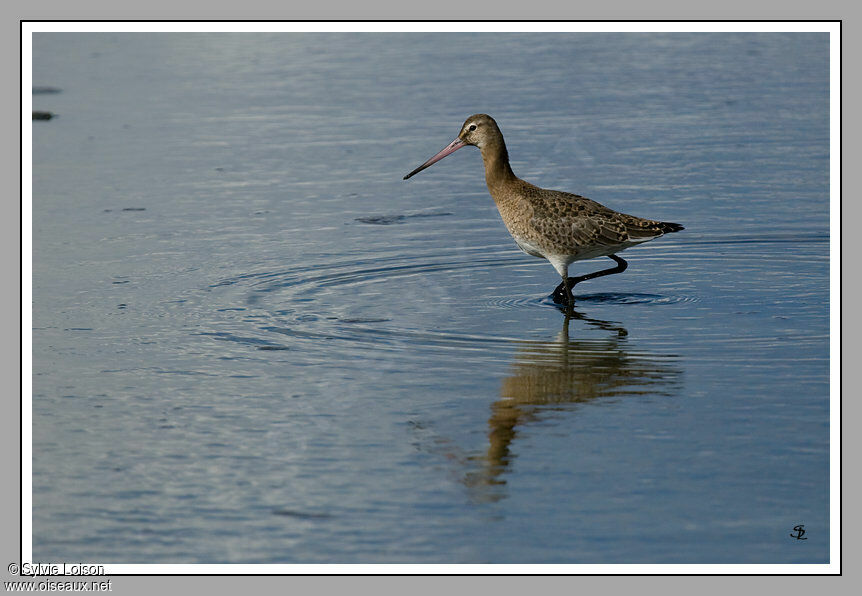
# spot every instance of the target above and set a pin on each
(253, 342)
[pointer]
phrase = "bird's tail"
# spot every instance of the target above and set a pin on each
(642, 230)
(666, 227)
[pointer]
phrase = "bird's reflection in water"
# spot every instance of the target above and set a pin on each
(559, 373)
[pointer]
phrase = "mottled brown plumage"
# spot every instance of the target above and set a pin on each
(558, 226)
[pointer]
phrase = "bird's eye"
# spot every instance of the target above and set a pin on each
(472, 127)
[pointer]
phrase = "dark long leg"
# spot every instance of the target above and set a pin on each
(563, 293)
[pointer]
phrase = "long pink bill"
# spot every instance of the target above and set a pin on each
(450, 148)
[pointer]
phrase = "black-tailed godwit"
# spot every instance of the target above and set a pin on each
(555, 225)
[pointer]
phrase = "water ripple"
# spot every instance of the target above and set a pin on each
(448, 299)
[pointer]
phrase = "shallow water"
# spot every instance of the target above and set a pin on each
(253, 342)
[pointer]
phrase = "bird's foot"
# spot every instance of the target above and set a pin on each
(559, 296)
(562, 296)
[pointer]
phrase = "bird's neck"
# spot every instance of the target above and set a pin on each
(498, 172)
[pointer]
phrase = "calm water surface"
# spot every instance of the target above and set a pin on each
(253, 342)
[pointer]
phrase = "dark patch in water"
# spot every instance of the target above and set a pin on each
(273, 348)
(382, 220)
(39, 115)
(46, 90)
(134, 208)
(385, 220)
(633, 298)
(618, 298)
(361, 320)
(623, 298)
(301, 514)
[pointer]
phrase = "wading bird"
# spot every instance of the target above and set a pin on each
(555, 225)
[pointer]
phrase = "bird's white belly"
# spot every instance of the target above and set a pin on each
(561, 262)
(528, 247)
(586, 252)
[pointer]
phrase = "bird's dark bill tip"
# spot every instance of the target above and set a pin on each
(448, 150)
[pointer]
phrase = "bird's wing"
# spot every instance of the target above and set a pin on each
(583, 222)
